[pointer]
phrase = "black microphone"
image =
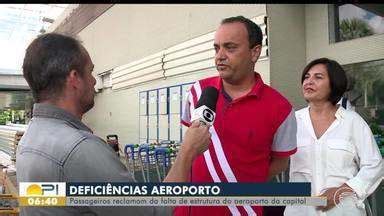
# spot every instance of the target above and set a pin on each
(206, 106)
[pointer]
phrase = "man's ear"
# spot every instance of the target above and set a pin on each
(73, 79)
(255, 52)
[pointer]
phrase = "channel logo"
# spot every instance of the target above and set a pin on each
(42, 189)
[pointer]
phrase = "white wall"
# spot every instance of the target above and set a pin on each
(287, 49)
(118, 111)
(128, 32)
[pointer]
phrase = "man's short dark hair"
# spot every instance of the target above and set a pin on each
(48, 61)
(337, 77)
(255, 35)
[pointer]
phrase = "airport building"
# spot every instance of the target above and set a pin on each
(147, 56)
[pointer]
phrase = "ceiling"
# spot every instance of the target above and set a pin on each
(19, 24)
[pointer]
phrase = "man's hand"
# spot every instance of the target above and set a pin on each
(334, 195)
(196, 139)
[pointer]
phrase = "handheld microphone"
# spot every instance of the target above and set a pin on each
(206, 106)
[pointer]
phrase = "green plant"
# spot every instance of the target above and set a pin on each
(5, 115)
(354, 28)
(375, 128)
(14, 116)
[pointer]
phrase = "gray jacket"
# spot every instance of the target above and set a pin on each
(58, 147)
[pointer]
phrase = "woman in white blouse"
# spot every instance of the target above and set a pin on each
(337, 152)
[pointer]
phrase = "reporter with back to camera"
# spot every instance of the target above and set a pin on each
(337, 152)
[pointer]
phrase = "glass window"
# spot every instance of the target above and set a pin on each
(366, 90)
(350, 21)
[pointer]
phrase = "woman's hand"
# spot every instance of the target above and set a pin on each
(334, 195)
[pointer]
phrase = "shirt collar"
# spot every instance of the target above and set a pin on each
(51, 111)
(256, 89)
(340, 112)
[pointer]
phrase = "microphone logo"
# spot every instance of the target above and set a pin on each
(208, 115)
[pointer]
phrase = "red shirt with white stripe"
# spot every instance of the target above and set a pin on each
(246, 132)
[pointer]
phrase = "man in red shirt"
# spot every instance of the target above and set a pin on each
(254, 132)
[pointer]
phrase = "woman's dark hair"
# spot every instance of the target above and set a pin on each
(337, 77)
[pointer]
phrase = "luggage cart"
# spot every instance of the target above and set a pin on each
(163, 160)
(147, 162)
(130, 151)
(165, 155)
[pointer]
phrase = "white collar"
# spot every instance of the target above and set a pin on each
(340, 112)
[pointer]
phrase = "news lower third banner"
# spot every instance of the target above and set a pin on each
(166, 194)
